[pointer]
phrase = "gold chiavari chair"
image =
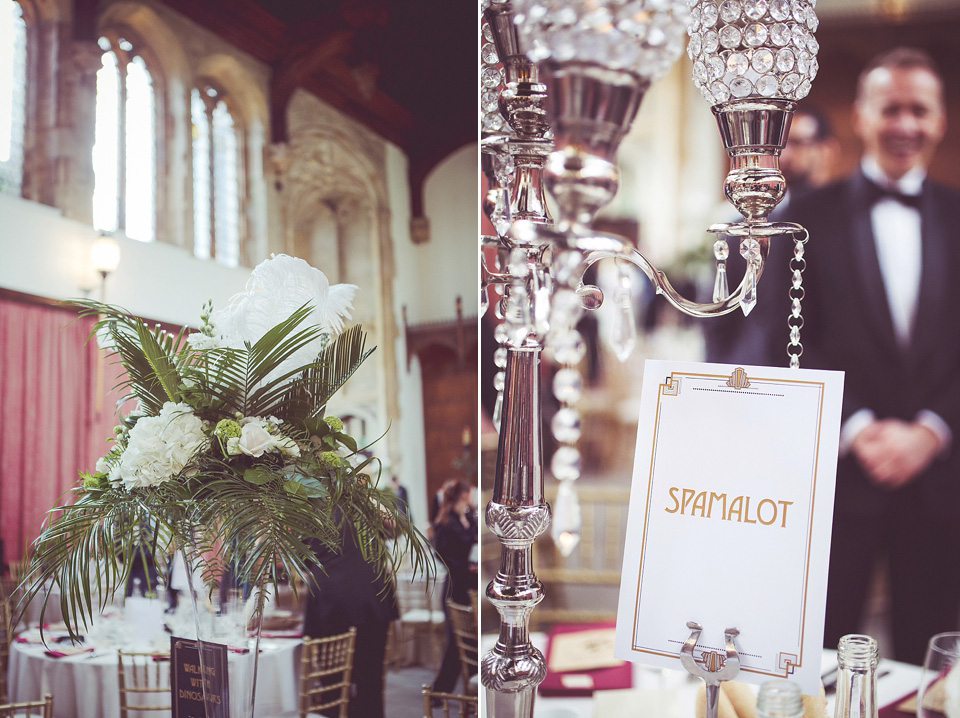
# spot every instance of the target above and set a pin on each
(421, 615)
(28, 709)
(474, 602)
(464, 623)
(6, 636)
(325, 668)
(139, 675)
(445, 703)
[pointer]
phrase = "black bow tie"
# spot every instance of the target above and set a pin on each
(877, 193)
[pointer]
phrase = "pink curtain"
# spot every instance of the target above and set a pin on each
(53, 420)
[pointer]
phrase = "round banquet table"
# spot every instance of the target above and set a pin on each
(85, 685)
(672, 693)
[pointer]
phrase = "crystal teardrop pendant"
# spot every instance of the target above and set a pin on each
(720, 289)
(749, 300)
(497, 411)
(750, 251)
(624, 334)
(565, 526)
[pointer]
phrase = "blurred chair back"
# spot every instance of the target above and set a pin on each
(447, 705)
(139, 676)
(325, 668)
(590, 576)
(421, 616)
(29, 709)
(464, 622)
(6, 637)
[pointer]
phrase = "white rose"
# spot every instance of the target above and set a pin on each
(101, 466)
(254, 440)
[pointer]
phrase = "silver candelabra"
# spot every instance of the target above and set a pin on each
(561, 83)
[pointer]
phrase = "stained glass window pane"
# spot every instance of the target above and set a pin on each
(226, 205)
(13, 76)
(140, 152)
(201, 176)
(106, 190)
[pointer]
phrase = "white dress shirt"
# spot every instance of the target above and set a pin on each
(896, 231)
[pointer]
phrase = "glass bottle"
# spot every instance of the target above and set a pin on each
(779, 699)
(856, 677)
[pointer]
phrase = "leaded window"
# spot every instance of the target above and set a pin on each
(124, 150)
(13, 82)
(216, 187)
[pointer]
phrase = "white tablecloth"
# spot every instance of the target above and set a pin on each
(673, 693)
(85, 686)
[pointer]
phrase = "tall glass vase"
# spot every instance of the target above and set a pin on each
(218, 612)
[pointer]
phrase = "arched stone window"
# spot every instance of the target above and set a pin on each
(216, 179)
(125, 151)
(13, 80)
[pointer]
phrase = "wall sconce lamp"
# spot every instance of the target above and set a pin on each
(105, 257)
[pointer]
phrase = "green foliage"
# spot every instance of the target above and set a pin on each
(256, 514)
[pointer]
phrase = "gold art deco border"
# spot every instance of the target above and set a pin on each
(738, 380)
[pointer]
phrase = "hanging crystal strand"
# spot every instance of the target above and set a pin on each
(750, 251)
(567, 347)
(795, 320)
(721, 250)
(624, 335)
(491, 84)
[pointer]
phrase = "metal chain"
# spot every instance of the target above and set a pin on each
(796, 293)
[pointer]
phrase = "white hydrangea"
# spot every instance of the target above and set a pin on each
(160, 447)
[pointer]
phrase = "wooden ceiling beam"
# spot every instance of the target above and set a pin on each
(242, 23)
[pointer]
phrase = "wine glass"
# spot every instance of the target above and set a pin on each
(939, 694)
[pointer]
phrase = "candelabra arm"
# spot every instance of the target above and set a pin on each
(517, 515)
(600, 247)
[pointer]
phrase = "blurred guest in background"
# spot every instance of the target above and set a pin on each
(881, 298)
(401, 491)
(880, 305)
(347, 591)
(454, 535)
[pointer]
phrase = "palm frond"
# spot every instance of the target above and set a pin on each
(335, 365)
(81, 552)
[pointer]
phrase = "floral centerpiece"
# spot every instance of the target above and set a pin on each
(229, 454)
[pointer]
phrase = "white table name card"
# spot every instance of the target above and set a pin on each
(730, 517)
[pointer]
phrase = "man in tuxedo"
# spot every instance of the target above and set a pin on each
(881, 303)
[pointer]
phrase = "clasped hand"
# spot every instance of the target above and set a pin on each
(893, 452)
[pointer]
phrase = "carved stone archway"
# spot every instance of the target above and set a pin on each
(336, 213)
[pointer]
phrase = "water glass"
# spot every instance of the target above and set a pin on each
(939, 694)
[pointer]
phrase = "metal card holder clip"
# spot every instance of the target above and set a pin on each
(713, 667)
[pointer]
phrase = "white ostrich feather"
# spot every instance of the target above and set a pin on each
(278, 287)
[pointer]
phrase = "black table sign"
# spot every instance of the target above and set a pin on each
(187, 686)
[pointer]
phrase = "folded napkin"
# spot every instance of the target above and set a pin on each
(738, 700)
(281, 634)
(904, 707)
(67, 651)
(580, 661)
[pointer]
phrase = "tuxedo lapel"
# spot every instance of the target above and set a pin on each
(866, 270)
(934, 279)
